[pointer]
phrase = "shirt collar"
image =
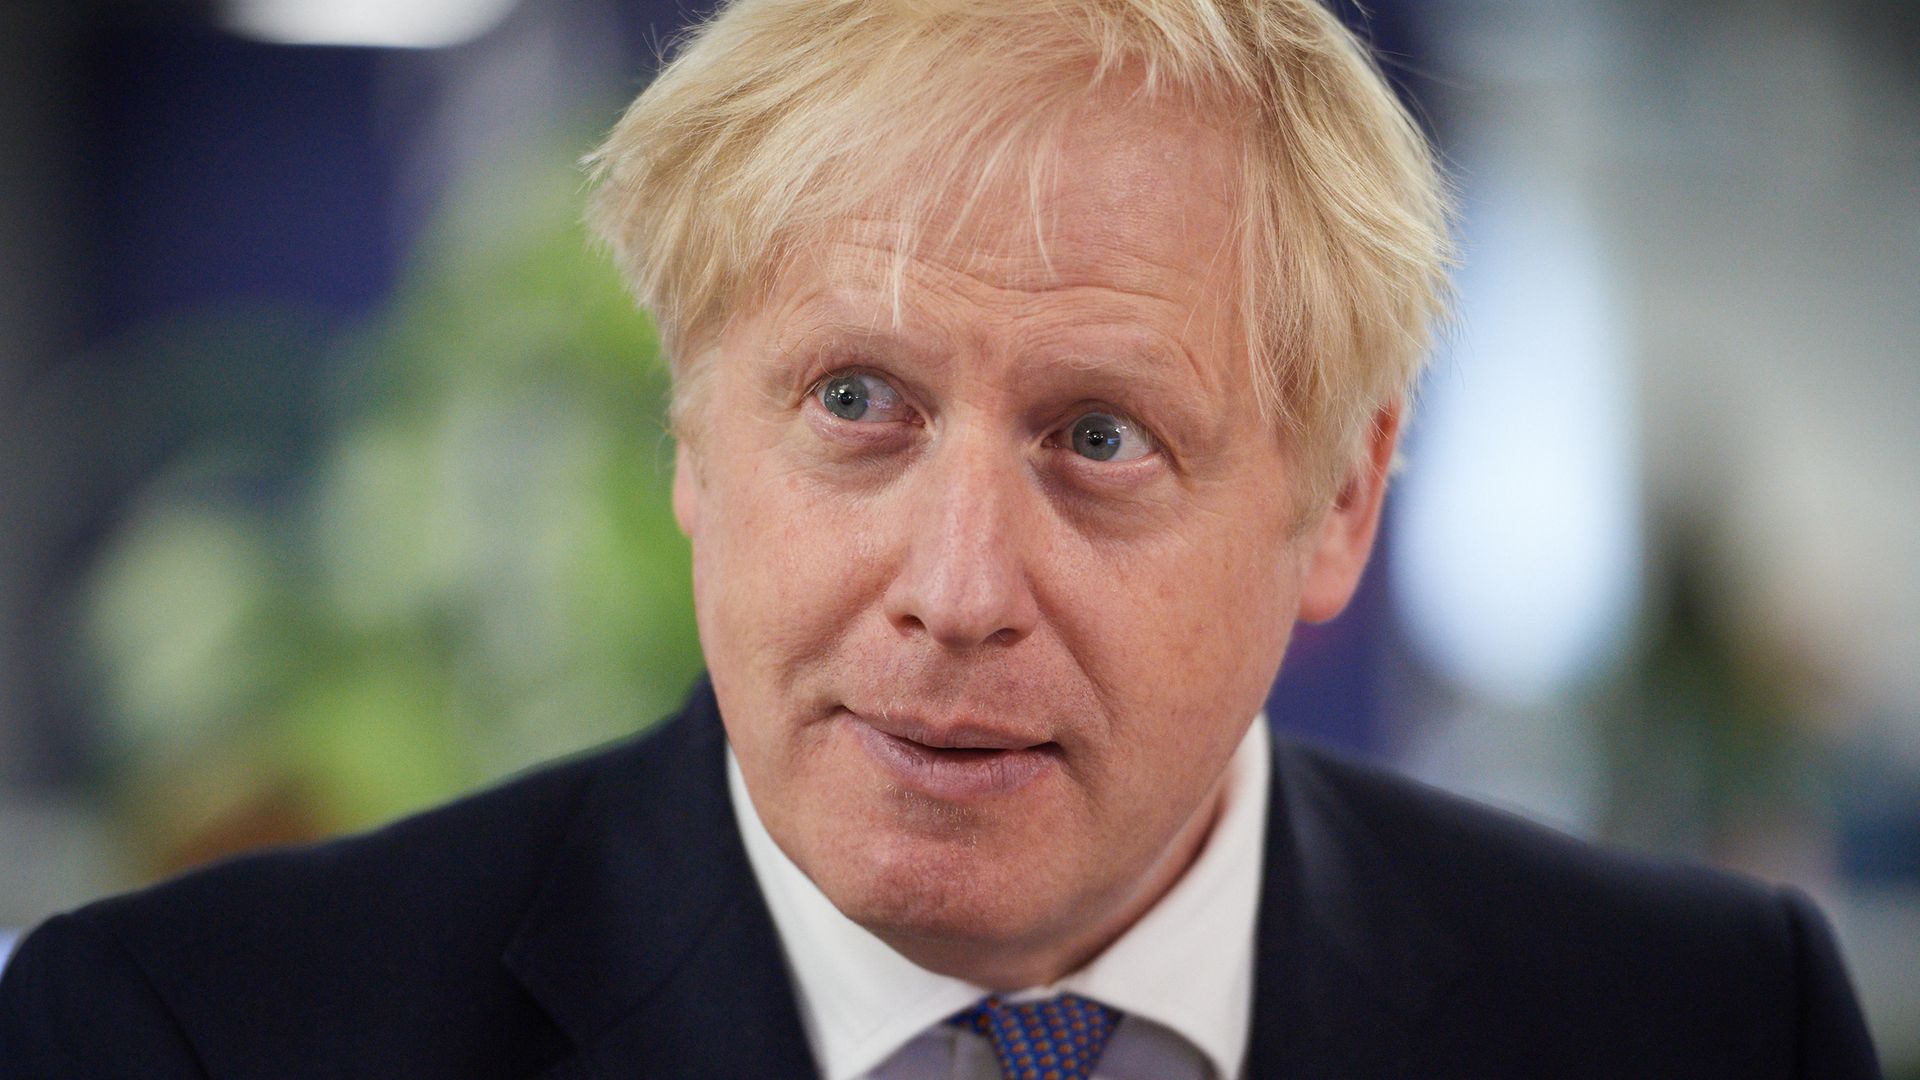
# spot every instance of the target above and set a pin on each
(1187, 964)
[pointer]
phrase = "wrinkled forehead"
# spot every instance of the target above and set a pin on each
(1126, 197)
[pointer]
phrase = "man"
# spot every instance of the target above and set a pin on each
(1038, 366)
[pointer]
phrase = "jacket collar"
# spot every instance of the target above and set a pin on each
(648, 942)
(1350, 950)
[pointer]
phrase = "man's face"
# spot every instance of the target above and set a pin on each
(990, 594)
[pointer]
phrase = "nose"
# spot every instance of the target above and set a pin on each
(965, 578)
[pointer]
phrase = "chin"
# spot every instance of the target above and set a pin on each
(955, 890)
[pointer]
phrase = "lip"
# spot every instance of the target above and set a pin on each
(963, 764)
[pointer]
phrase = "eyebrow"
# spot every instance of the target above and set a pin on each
(815, 329)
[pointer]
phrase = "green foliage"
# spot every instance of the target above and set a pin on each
(473, 568)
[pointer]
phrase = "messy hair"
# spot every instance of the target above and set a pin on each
(777, 120)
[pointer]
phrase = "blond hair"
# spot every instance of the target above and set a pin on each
(778, 119)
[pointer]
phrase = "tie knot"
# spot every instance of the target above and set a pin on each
(1058, 1038)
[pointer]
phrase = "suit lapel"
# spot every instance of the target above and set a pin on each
(1348, 955)
(649, 943)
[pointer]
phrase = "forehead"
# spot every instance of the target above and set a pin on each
(1124, 216)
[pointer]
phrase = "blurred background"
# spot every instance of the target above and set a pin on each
(333, 483)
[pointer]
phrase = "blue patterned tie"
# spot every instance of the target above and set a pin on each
(1056, 1039)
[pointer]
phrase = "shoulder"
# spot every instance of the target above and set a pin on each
(477, 858)
(397, 933)
(1456, 849)
(1574, 945)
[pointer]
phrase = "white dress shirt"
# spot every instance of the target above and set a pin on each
(1182, 974)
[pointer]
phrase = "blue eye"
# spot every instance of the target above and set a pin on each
(1105, 437)
(859, 398)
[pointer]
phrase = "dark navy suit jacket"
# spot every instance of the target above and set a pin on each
(598, 918)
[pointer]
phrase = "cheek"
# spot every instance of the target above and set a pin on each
(1183, 638)
(1192, 609)
(781, 569)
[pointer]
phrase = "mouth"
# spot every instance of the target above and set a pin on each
(958, 764)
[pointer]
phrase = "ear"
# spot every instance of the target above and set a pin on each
(1337, 548)
(687, 491)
